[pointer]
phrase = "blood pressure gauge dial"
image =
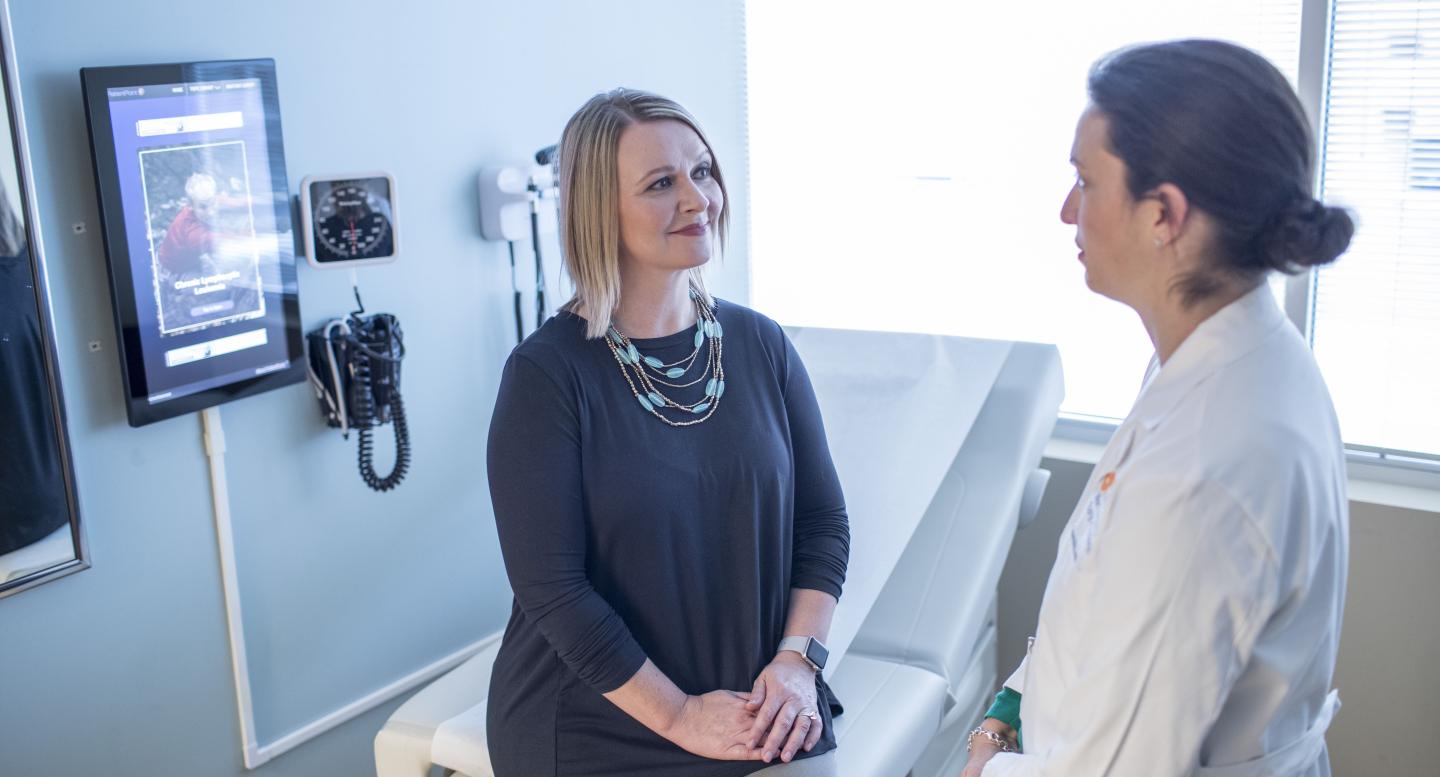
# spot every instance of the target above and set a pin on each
(349, 220)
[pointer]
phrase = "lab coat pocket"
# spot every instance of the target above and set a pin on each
(1083, 533)
(1078, 539)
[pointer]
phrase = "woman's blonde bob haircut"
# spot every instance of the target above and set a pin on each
(590, 192)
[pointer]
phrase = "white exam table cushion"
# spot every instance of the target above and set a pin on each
(56, 548)
(403, 748)
(891, 712)
(460, 743)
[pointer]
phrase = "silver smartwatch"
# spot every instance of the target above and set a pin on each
(809, 648)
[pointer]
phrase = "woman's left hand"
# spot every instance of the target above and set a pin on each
(787, 716)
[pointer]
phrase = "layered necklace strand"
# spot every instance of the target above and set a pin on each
(646, 374)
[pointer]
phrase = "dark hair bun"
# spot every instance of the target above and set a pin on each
(1306, 234)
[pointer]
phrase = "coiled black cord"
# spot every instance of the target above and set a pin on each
(402, 450)
(364, 411)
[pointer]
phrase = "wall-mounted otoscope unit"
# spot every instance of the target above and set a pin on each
(512, 200)
(354, 362)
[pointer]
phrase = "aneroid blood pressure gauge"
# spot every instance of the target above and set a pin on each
(349, 220)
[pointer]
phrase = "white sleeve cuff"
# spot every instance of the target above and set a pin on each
(1006, 765)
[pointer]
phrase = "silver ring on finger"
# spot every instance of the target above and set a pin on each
(809, 712)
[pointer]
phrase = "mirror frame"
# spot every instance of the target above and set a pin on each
(31, 218)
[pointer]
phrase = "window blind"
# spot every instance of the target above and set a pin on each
(1376, 317)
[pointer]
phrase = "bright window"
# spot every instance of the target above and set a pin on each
(908, 161)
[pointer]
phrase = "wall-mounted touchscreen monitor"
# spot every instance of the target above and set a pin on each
(195, 208)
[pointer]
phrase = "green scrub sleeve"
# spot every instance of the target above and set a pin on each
(1006, 709)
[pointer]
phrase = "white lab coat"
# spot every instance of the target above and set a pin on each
(1191, 620)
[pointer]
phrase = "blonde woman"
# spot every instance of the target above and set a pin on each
(671, 521)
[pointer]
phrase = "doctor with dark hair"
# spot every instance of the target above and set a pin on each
(1191, 620)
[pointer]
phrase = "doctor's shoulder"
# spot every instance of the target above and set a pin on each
(1265, 431)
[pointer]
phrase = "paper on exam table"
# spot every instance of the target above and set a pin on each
(897, 408)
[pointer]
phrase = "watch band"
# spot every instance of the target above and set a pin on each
(809, 648)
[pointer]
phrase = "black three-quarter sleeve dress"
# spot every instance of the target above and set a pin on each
(625, 538)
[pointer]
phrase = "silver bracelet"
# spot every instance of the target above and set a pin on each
(990, 736)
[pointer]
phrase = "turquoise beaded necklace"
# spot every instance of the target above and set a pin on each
(646, 374)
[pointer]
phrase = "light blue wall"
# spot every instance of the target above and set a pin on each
(124, 669)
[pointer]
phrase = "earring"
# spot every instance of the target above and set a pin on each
(1158, 242)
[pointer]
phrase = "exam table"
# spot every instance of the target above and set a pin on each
(937, 442)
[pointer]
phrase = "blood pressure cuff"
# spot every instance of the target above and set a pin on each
(1006, 709)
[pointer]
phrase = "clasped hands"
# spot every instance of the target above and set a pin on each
(778, 718)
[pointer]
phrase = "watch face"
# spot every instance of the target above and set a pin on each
(352, 219)
(817, 653)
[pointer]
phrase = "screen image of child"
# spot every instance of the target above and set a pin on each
(205, 256)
